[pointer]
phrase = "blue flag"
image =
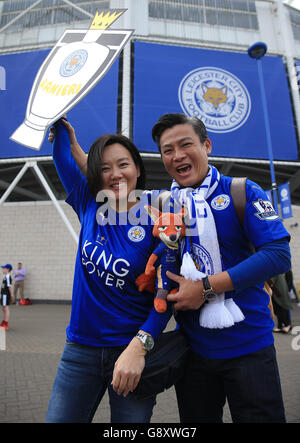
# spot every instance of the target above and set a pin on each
(269, 195)
(297, 66)
(285, 200)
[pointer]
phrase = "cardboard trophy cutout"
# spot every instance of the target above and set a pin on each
(74, 66)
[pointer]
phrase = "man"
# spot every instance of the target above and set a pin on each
(237, 363)
(6, 294)
(19, 276)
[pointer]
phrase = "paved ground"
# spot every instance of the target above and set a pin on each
(34, 344)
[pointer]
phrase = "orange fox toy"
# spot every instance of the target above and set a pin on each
(169, 228)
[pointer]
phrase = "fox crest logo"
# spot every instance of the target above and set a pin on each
(217, 97)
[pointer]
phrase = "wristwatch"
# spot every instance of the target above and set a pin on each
(147, 340)
(208, 293)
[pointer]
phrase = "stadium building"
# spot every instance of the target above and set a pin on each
(184, 56)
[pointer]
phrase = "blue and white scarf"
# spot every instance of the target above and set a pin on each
(218, 312)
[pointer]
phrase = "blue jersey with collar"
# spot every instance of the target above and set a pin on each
(107, 308)
(168, 260)
(261, 226)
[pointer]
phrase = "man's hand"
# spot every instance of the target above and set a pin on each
(189, 294)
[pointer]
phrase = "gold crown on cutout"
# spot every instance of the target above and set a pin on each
(102, 21)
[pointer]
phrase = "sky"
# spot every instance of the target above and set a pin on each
(295, 3)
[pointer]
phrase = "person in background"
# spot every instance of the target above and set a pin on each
(6, 294)
(291, 287)
(19, 278)
(282, 304)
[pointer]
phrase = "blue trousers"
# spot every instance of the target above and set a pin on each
(250, 384)
(83, 375)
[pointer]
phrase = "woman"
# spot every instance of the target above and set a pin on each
(110, 320)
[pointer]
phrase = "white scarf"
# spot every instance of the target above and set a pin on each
(218, 312)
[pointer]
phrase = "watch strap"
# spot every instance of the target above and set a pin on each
(208, 292)
(146, 339)
(206, 284)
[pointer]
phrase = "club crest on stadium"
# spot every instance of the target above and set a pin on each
(217, 97)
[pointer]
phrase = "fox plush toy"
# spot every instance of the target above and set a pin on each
(169, 228)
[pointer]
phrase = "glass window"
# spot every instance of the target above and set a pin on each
(156, 10)
(225, 18)
(173, 12)
(211, 17)
(47, 12)
(251, 6)
(241, 20)
(68, 15)
(295, 18)
(16, 5)
(211, 3)
(253, 21)
(224, 4)
(7, 18)
(36, 18)
(231, 13)
(296, 32)
(185, 2)
(192, 14)
(240, 5)
(93, 7)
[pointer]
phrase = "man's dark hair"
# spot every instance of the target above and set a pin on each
(167, 121)
(94, 174)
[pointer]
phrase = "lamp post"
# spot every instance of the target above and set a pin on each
(257, 51)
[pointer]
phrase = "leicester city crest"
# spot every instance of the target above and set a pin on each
(217, 97)
(220, 202)
(136, 233)
(202, 259)
(73, 63)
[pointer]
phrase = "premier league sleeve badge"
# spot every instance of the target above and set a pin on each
(265, 210)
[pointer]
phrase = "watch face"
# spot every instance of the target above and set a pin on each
(149, 343)
(210, 295)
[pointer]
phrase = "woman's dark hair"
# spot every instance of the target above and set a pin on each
(169, 120)
(94, 174)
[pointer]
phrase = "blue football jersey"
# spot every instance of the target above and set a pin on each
(107, 308)
(261, 226)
